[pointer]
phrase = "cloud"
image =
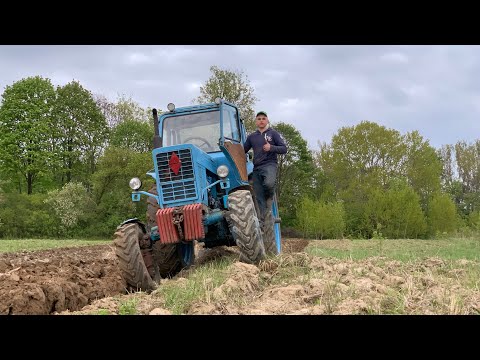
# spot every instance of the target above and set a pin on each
(193, 86)
(318, 89)
(395, 57)
(138, 59)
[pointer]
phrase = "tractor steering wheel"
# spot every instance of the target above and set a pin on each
(204, 143)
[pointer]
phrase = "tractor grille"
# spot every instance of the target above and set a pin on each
(179, 186)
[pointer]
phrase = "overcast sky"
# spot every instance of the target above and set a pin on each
(318, 89)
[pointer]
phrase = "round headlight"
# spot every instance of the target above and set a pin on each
(135, 183)
(222, 171)
(218, 101)
(171, 107)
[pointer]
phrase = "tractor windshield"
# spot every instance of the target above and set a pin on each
(201, 129)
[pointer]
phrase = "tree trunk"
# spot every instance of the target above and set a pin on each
(29, 183)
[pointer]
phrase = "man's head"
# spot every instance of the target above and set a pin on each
(261, 120)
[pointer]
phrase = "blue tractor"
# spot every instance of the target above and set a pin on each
(202, 193)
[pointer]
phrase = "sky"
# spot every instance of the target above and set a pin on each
(434, 89)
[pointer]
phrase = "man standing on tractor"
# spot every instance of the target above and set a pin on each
(266, 144)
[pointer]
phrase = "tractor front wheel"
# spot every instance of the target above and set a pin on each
(131, 260)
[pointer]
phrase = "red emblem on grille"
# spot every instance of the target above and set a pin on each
(175, 163)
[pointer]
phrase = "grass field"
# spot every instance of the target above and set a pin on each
(402, 250)
(327, 277)
(13, 245)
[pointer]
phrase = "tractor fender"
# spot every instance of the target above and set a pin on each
(134, 220)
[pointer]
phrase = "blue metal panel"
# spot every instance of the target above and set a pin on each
(225, 201)
(222, 138)
(197, 178)
(153, 174)
(213, 217)
(276, 226)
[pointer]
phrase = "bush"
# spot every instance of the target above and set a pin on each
(394, 213)
(442, 215)
(23, 216)
(72, 207)
(320, 220)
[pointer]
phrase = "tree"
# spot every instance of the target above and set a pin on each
(134, 135)
(111, 191)
(445, 153)
(234, 87)
(295, 169)
(26, 129)
(422, 166)
(468, 164)
(123, 109)
(369, 156)
(366, 152)
(81, 130)
(131, 125)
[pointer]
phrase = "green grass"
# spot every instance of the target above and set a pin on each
(102, 312)
(398, 249)
(128, 307)
(200, 282)
(41, 244)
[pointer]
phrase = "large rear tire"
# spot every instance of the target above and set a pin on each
(269, 234)
(245, 226)
(169, 259)
(130, 257)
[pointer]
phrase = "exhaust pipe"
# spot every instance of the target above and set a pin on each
(157, 141)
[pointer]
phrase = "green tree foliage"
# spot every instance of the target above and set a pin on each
(446, 155)
(81, 131)
(423, 167)
(473, 220)
(361, 158)
(295, 169)
(368, 157)
(442, 215)
(394, 213)
(323, 188)
(467, 157)
(234, 87)
(134, 135)
(26, 216)
(111, 191)
(367, 152)
(26, 128)
(320, 220)
(124, 108)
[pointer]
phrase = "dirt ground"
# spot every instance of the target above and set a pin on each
(68, 279)
(48, 281)
(86, 280)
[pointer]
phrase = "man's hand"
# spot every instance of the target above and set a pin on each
(266, 146)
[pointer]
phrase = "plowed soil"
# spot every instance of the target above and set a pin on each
(48, 281)
(86, 280)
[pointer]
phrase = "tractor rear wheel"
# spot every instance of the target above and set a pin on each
(245, 226)
(269, 234)
(131, 260)
(169, 258)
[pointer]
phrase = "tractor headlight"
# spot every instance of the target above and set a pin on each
(218, 100)
(222, 171)
(171, 106)
(135, 183)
